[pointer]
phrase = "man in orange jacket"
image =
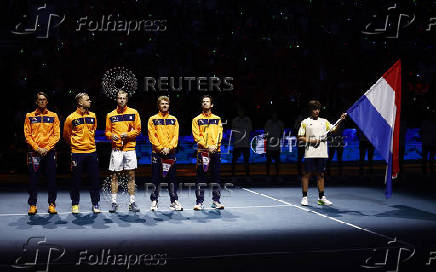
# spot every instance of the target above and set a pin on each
(79, 132)
(207, 130)
(42, 132)
(163, 133)
(123, 125)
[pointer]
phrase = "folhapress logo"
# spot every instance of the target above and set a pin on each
(37, 254)
(389, 258)
(43, 22)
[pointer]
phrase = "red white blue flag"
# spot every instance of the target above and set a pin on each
(377, 113)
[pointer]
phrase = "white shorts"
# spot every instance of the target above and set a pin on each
(122, 160)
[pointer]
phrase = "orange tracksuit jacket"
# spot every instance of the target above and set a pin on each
(79, 131)
(42, 129)
(163, 132)
(207, 130)
(123, 121)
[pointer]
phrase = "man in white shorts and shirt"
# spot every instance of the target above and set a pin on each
(123, 125)
(313, 132)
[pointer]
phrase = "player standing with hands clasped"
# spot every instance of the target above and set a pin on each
(79, 133)
(123, 125)
(42, 132)
(207, 130)
(163, 132)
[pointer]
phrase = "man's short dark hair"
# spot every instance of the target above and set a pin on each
(207, 96)
(314, 105)
(41, 93)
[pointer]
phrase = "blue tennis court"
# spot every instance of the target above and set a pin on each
(260, 228)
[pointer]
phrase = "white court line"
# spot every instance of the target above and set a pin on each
(122, 212)
(325, 216)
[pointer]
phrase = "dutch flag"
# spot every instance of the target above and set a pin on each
(377, 113)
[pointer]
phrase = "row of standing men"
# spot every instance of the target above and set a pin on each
(123, 125)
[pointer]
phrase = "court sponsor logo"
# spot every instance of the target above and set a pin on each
(38, 255)
(390, 257)
(109, 258)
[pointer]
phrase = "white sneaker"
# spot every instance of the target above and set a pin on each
(324, 201)
(176, 206)
(198, 207)
(217, 205)
(304, 201)
(153, 206)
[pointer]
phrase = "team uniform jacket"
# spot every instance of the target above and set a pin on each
(123, 121)
(207, 130)
(163, 131)
(42, 129)
(79, 131)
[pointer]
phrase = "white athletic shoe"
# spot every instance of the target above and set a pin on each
(176, 206)
(217, 205)
(304, 201)
(198, 207)
(153, 206)
(324, 201)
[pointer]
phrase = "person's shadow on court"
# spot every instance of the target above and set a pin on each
(204, 216)
(46, 221)
(125, 220)
(403, 211)
(334, 212)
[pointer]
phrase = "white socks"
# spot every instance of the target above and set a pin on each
(114, 198)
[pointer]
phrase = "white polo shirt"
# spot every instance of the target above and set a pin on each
(314, 129)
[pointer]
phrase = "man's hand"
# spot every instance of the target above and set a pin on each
(124, 135)
(115, 137)
(39, 151)
(343, 116)
(212, 148)
(42, 151)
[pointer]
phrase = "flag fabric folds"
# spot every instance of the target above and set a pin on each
(377, 114)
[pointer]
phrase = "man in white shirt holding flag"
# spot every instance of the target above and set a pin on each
(313, 132)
